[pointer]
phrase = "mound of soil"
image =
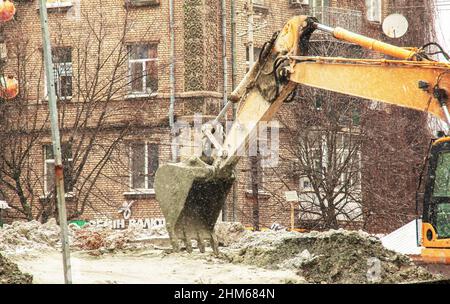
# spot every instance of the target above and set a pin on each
(229, 233)
(10, 273)
(335, 256)
(23, 237)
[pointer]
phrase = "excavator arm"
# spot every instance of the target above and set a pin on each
(192, 193)
(410, 84)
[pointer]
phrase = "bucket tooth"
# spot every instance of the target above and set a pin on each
(191, 195)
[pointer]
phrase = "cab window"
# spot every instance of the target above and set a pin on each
(442, 179)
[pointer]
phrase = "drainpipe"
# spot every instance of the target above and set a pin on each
(172, 74)
(225, 72)
(233, 86)
(233, 51)
(224, 52)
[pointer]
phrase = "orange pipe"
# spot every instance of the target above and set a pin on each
(373, 44)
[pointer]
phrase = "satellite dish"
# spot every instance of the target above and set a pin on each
(395, 26)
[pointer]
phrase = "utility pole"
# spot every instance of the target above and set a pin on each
(59, 176)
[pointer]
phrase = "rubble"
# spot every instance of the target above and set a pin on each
(108, 240)
(30, 237)
(335, 256)
(229, 233)
(23, 237)
(10, 273)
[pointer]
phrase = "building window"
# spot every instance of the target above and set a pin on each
(319, 3)
(256, 52)
(49, 168)
(62, 71)
(348, 162)
(144, 159)
(142, 2)
(260, 6)
(305, 184)
(259, 2)
(255, 175)
(58, 3)
(373, 8)
(319, 9)
(143, 68)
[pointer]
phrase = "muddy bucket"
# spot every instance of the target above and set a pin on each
(191, 195)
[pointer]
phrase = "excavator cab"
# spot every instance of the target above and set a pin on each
(436, 204)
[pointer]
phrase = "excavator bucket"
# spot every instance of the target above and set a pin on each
(191, 196)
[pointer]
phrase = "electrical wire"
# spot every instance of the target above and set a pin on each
(441, 50)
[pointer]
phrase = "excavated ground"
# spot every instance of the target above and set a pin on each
(335, 256)
(135, 255)
(10, 273)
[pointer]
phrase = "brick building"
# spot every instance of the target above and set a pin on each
(112, 64)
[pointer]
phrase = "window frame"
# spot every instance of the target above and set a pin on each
(343, 152)
(259, 2)
(52, 161)
(58, 4)
(260, 174)
(256, 52)
(145, 91)
(323, 3)
(142, 3)
(57, 74)
(147, 188)
(374, 10)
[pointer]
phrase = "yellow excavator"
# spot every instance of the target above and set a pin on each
(192, 193)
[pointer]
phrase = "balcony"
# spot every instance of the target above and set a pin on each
(334, 16)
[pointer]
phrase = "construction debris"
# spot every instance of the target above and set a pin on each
(10, 273)
(24, 237)
(335, 256)
(108, 240)
(229, 232)
(30, 237)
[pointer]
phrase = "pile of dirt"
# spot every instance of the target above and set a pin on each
(108, 240)
(335, 256)
(229, 233)
(22, 237)
(10, 273)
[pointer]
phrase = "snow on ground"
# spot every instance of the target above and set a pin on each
(148, 268)
(138, 256)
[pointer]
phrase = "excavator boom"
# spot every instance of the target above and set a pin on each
(408, 84)
(192, 193)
